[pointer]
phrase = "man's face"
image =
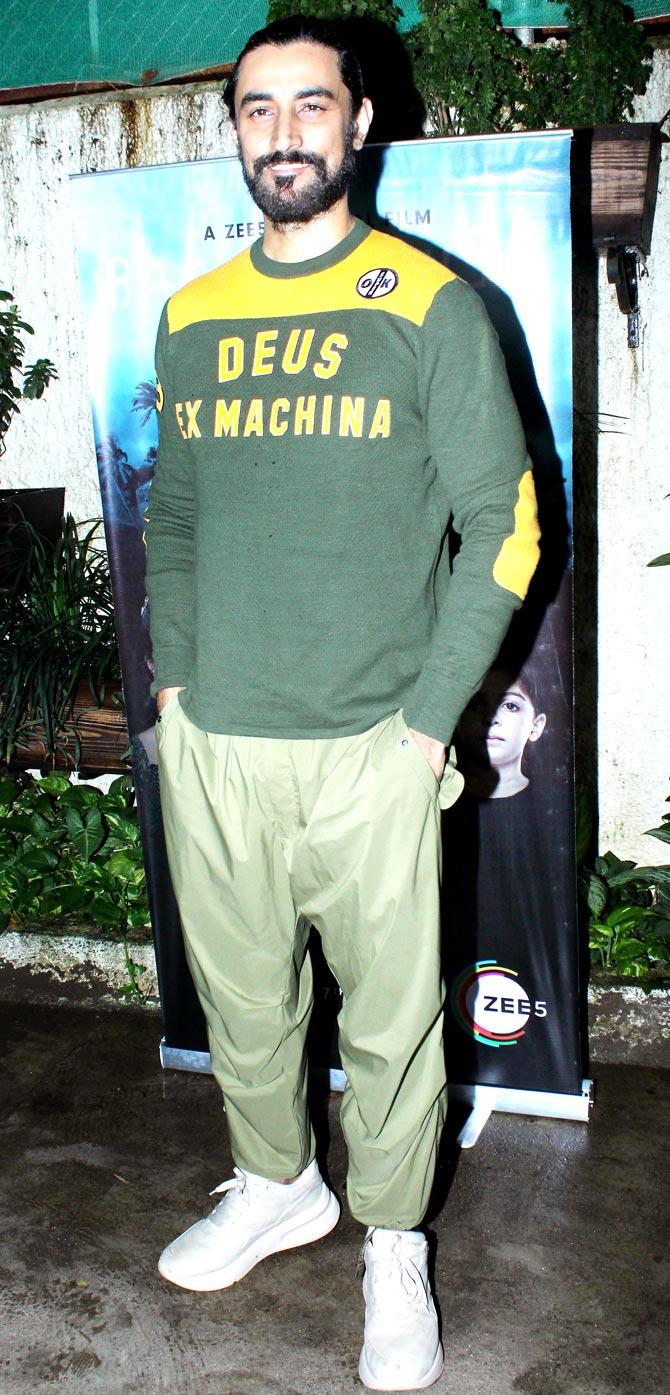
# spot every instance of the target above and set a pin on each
(296, 135)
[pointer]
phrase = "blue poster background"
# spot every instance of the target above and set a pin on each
(497, 209)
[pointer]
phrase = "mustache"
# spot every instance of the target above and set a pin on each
(289, 157)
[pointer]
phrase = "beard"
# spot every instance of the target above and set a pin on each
(281, 203)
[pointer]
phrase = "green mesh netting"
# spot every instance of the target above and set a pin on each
(48, 42)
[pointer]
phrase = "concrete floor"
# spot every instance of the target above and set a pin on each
(551, 1263)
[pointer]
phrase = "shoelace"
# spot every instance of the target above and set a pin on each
(237, 1183)
(236, 1195)
(398, 1270)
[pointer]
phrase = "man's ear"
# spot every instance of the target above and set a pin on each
(362, 123)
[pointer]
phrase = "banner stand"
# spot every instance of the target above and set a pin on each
(542, 1104)
(484, 1100)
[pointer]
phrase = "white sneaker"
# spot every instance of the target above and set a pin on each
(255, 1219)
(401, 1347)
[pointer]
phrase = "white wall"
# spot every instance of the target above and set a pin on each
(634, 526)
(52, 443)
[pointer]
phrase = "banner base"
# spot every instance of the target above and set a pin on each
(484, 1100)
(544, 1104)
(180, 1058)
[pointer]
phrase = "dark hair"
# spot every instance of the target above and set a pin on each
(305, 29)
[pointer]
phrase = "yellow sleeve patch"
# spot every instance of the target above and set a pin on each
(520, 552)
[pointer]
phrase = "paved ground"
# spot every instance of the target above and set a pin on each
(551, 1262)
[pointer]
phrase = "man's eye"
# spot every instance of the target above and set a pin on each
(313, 106)
(259, 111)
(511, 706)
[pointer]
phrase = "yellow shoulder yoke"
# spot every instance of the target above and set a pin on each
(237, 291)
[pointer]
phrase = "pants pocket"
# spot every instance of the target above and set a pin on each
(165, 719)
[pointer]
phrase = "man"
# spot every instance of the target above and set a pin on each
(329, 399)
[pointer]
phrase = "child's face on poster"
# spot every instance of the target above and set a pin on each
(499, 721)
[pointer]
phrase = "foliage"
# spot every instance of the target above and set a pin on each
(56, 628)
(383, 10)
(594, 77)
(629, 913)
(36, 376)
(663, 830)
(466, 68)
(71, 850)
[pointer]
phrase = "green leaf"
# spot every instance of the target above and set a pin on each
(41, 828)
(19, 823)
(37, 860)
(80, 797)
(627, 917)
(9, 791)
(596, 893)
(54, 784)
(37, 376)
(138, 916)
(645, 876)
(662, 832)
(123, 825)
(120, 865)
(87, 837)
(662, 561)
(122, 785)
(105, 910)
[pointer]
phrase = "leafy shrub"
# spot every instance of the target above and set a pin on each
(35, 376)
(56, 628)
(72, 850)
(629, 913)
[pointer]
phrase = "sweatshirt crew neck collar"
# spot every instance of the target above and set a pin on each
(267, 266)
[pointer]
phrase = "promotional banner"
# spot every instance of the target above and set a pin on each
(497, 211)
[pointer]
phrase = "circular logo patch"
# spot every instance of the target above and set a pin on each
(490, 1004)
(380, 281)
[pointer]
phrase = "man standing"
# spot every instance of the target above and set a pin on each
(329, 400)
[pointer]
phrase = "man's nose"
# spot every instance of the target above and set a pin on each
(286, 133)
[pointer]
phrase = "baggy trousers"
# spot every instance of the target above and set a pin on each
(265, 836)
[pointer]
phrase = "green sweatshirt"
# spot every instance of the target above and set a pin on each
(320, 423)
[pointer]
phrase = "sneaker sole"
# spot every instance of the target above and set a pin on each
(377, 1383)
(288, 1236)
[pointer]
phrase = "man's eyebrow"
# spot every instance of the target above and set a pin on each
(250, 97)
(315, 92)
(256, 97)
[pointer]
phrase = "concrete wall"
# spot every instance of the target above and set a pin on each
(51, 444)
(633, 527)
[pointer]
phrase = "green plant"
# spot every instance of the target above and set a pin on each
(384, 10)
(594, 77)
(466, 68)
(71, 850)
(56, 628)
(35, 377)
(629, 913)
(475, 77)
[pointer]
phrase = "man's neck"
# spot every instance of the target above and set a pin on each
(298, 242)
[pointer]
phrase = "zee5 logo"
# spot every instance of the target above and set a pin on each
(491, 1005)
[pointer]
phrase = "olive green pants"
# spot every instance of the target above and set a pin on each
(265, 836)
